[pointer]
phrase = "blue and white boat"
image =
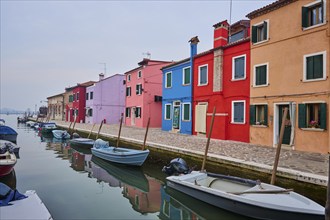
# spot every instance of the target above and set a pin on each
(126, 156)
(61, 134)
(7, 133)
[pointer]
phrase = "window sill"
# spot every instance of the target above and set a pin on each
(259, 126)
(260, 86)
(314, 26)
(314, 80)
(202, 84)
(312, 129)
(241, 79)
(260, 42)
(238, 123)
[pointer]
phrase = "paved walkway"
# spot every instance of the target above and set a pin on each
(309, 167)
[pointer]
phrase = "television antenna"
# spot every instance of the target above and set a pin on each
(148, 54)
(105, 67)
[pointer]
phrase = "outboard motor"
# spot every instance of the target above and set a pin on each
(176, 166)
(75, 135)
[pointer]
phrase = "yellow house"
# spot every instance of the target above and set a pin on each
(56, 109)
(290, 49)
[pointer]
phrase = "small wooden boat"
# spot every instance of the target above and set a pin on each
(82, 142)
(7, 163)
(126, 156)
(2, 121)
(61, 134)
(9, 146)
(246, 197)
(22, 206)
(47, 128)
(7, 133)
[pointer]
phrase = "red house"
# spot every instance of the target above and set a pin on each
(222, 80)
(77, 102)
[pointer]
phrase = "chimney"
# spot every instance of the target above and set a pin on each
(220, 33)
(101, 76)
(193, 46)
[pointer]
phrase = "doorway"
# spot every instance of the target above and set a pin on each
(176, 116)
(288, 125)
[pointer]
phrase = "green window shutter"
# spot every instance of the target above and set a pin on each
(304, 17)
(168, 80)
(252, 114)
(265, 30)
(323, 116)
(187, 76)
(318, 66)
(302, 116)
(266, 114)
(309, 68)
(186, 115)
(168, 112)
(254, 34)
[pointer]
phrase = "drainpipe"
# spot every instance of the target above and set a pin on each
(193, 51)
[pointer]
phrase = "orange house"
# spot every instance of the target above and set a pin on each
(290, 46)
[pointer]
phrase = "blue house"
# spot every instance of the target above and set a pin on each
(177, 93)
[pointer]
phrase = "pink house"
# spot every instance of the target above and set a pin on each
(144, 94)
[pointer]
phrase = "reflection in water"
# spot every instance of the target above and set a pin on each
(145, 194)
(9, 179)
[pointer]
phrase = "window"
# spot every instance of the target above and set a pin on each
(128, 112)
(91, 96)
(139, 89)
(313, 14)
(260, 32)
(74, 97)
(202, 75)
(259, 114)
(261, 75)
(186, 111)
(138, 112)
(314, 66)
(168, 80)
(238, 112)
(90, 112)
(77, 96)
(128, 77)
(167, 115)
(139, 75)
(238, 67)
(312, 115)
(128, 91)
(87, 95)
(237, 36)
(186, 76)
(70, 98)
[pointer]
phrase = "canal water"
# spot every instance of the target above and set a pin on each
(73, 184)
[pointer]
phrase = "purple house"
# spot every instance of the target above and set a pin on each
(105, 100)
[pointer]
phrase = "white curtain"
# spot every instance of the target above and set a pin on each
(292, 112)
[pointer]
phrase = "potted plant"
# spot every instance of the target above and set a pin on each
(313, 124)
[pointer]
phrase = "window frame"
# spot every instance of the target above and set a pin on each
(189, 111)
(262, 23)
(184, 76)
(140, 112)
(199, 75)
(87, 95)
(128, 112)
(138, 90)
(303, 123)
(233, 68)
(166, 76)
(128, 91)
(91, 96)
(165, 112)
(139, 74)
(310, 6)
(233, 109)
(324, 53)
(128, 77)
(255, 75)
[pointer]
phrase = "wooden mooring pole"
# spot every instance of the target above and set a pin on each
(91, 131)
(208, 140)
(327, 205)
(121, 122)
(278, 150)
(97, 136)
(145, 136)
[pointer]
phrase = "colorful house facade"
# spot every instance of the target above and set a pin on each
(222, 81)
(77, 102)
(290, 69)
(105, 100)
(177, 94)
(56, 107)
(144, 93)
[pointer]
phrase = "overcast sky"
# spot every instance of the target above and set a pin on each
(47, 46)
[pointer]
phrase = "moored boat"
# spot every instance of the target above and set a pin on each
(47, 128)
(8, 133)
(61, 134)
(120, 155)
(246, 197)
(9, 146)
(82, 142)
(7, 163)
